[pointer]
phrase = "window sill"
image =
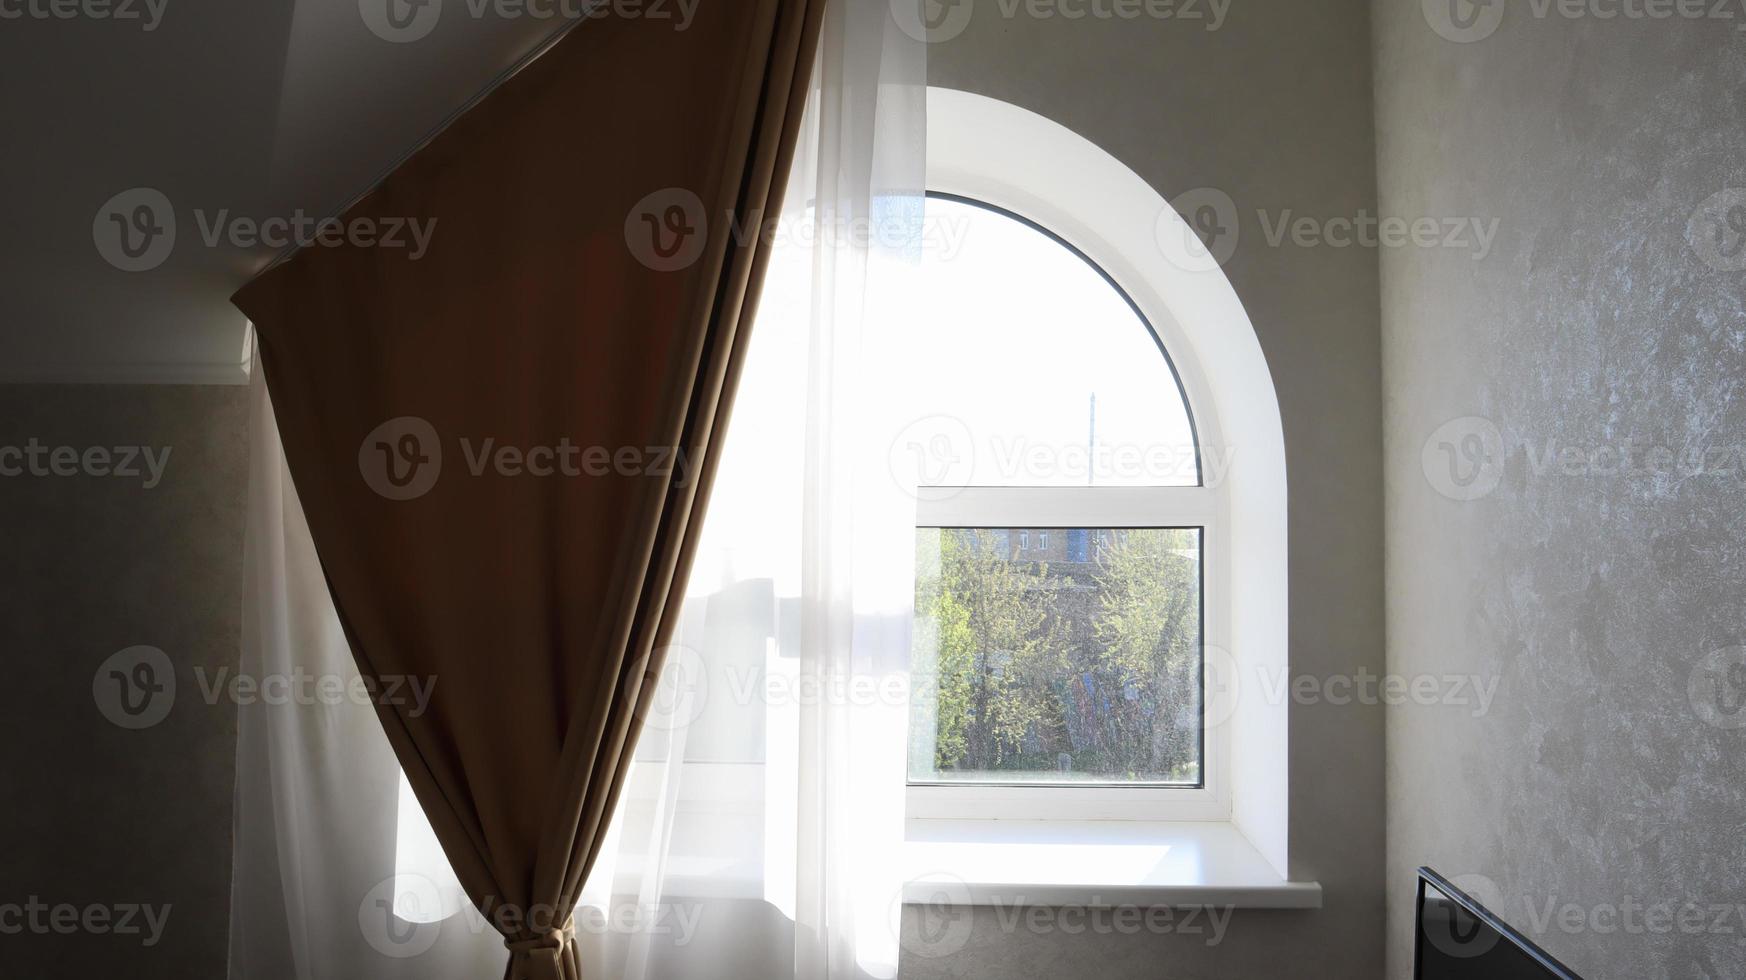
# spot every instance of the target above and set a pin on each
(1093, 863)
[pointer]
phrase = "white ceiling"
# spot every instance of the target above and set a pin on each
(261, 107)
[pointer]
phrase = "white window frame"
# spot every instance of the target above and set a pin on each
(1203, 507)
(1093, 507)
(991, 151)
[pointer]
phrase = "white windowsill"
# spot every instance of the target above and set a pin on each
(1093, 863)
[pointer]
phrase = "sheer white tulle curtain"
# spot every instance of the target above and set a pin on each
(758, 835)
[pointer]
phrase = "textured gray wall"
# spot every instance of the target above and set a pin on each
(95, 814)
(1602, 593)
(1274, 108)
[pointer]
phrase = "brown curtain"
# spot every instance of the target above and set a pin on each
(503, 444)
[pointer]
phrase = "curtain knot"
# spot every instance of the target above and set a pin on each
(539, 955)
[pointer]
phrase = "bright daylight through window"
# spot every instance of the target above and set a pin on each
(1059, 598)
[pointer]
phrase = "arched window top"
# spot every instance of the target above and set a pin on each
(1055, 375)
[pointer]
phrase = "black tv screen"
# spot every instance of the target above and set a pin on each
(1459, 939)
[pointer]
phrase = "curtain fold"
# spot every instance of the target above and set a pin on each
(502, 445)
(334, 873)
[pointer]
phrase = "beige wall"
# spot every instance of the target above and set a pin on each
(1602, 602)
(1273, 108)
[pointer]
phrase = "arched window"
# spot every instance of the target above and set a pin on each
(1104, 459)
(1059, 546)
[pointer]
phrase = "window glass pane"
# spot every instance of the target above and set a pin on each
(1078, 661)
(1047, 375)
